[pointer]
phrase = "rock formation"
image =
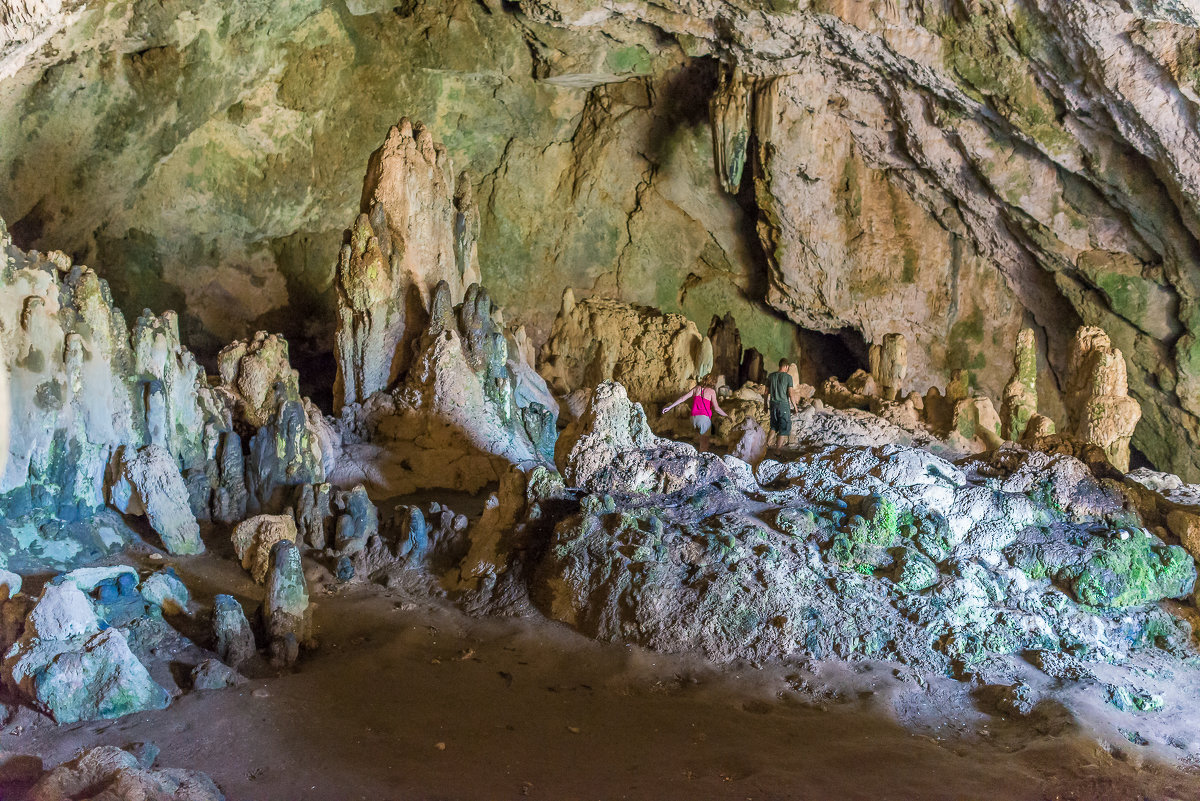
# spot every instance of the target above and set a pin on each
(72, 667)
(254, 538)
(612, 449)
(412, 233)
(107, 773)
(654, 355)
(457, 399)
(1099, 409)
(287, 617)
(1020, 401)
(727, 346)
(889, 365)
(92, 403)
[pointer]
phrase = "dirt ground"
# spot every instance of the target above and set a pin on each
(410, 699)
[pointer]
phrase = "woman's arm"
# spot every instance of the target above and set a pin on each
(682, 398)
(716, 406)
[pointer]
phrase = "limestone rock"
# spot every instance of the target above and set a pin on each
(166, 591)
(108, 773)
(1020, 401)
(62, 612)
(82, 386)
(10, 584)
(233, 639)
(255, 373)
(254, 538)
(889, 365)
(358, 521)
(654, 355)
(148, 482)
(286, 614)
(1186, 526)
(727, 346)
(612, 449)
(69, 669)
(402, 244)
(284, 453)
(314, 514)
(1099, 408)
(729, 111)
(212, 674)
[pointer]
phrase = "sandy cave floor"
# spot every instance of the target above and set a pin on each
(530, 709)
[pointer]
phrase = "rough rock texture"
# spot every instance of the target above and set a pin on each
(1099, 409)
(287, 617)
(255, 373)
(883, 551)
(612, 449)
(1020, 401)
(233, 641)
(974, 167)
(254, 538)
(108, 773)
(655, 356)
(69, 668)
(147, 482)
(402, 244)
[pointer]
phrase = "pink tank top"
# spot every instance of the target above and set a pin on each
(701, 406)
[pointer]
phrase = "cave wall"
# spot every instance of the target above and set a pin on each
(952, 169)
(205, 157)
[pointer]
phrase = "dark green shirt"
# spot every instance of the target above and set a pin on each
(778, 384)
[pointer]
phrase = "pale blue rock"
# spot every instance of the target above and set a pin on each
(164, 590)
(89, 677)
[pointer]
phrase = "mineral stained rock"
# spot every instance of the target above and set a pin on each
(148, 482)
(871, 550)
(255, 373)
(233, 640)
(889, 365)
(1020, 401)
(612, 449)
(69, 668)
(1100, 411)
(412, 324)
(83, 387)
(254, 538)
(286, 614)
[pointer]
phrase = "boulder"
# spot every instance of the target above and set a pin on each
(83, 677)
(212, 674)
(148, 482)
(254, 537)
(108, 773)
(612, 449)
(164, 590)
(233, 641)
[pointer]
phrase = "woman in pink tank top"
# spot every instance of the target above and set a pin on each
(704, 403)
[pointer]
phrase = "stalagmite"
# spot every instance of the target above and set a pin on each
(413, 232)
(889, 365)
(1020, 400)
(1099, 408)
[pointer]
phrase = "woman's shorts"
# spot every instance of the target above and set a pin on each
(702, 422)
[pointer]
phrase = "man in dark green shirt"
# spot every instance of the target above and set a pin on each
(780, 406)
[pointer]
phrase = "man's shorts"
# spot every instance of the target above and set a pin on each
(781, 420)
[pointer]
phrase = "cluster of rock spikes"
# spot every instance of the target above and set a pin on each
(930, 530)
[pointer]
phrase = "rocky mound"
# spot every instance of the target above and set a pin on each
(885, 551)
